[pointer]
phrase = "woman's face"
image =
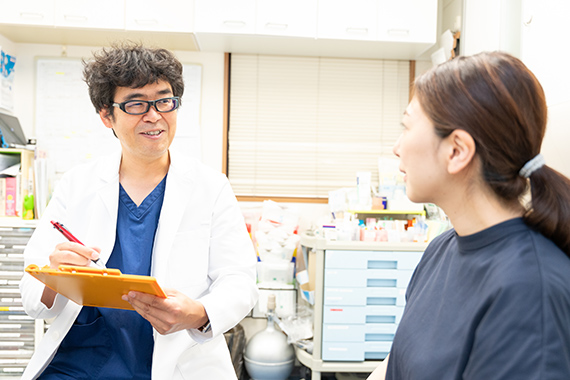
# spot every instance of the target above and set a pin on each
(421, 156)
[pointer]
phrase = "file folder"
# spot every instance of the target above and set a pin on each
(89, 286)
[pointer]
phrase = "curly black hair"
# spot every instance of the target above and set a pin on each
(129, 65)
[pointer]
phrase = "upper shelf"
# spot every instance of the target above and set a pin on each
(388, 212)
(96, 37)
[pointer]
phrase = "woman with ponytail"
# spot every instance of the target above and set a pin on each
(490, 298)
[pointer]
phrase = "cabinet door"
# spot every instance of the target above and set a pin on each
(225, 16)
(348, 20)
(100, 14)
(29, 12)
(407, 20)
(297, 18)
(149, 15)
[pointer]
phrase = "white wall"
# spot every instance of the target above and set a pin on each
(545, 34)
(490, 25)
(536, 31)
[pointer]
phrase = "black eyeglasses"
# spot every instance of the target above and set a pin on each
(140, 107)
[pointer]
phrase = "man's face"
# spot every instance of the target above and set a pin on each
(147, 136)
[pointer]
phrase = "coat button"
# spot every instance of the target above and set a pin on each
(55, 336)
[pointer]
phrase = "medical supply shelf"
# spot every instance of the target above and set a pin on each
(25, 158)
(388, 212)
(19, 334)
(359, 299)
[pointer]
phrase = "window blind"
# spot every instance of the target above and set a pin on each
(303, 126)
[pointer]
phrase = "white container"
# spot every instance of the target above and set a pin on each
(267, 355)
(276, 272)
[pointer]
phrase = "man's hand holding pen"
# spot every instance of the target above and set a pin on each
(92, 253)
(71, 253)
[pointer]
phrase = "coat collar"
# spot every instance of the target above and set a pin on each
(179, 185)
(177, 194)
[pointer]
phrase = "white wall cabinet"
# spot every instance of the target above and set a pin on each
(102, 14)
(348, 20)
(136, 15)
(89, 23)
(330, 28)
(27, 12)
(294, 18)
(225, 16)
(148, 15)
(407, 20)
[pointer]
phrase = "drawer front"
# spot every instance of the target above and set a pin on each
(365, 296)
(362, 314)
(370, 332)
(348, 351)
(362, 278)
(343, 259)
(343, 333)
(343, 351)
(376, 350)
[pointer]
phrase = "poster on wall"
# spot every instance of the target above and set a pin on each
(7, 64)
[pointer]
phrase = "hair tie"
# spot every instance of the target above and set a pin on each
(536, 163)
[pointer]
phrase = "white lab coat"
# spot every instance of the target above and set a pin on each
(201, 248)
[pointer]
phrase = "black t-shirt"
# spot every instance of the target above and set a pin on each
(492, 305)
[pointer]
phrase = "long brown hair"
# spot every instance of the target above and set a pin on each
(500, 103)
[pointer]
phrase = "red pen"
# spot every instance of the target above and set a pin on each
(61, 228)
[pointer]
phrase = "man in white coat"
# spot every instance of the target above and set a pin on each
(146, 211)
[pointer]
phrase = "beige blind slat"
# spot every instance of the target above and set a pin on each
(302, 126)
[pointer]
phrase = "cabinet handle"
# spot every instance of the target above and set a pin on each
(234, 24)
(73, 18)
(399, 32)
(146, 22)
(272, 25)
(32, 16)
(356, 30)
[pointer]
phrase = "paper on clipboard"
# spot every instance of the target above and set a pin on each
(94, 286)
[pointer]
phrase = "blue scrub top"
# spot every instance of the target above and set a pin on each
(110, 343)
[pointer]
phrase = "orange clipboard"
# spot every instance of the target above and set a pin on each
(94, 286)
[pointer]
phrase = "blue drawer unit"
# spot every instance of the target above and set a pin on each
(363, 301)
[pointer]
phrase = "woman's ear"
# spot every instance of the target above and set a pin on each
(106, 117)
(461, 151)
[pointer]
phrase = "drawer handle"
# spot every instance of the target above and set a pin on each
(146, 22)
(380, 319)
(73, 18)
(382, 264)
(272, 25)
(378, 337)
(360, 31)
(381, 301)
(31, 16)
(381, 283)
(399, 32)
(234, 24)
